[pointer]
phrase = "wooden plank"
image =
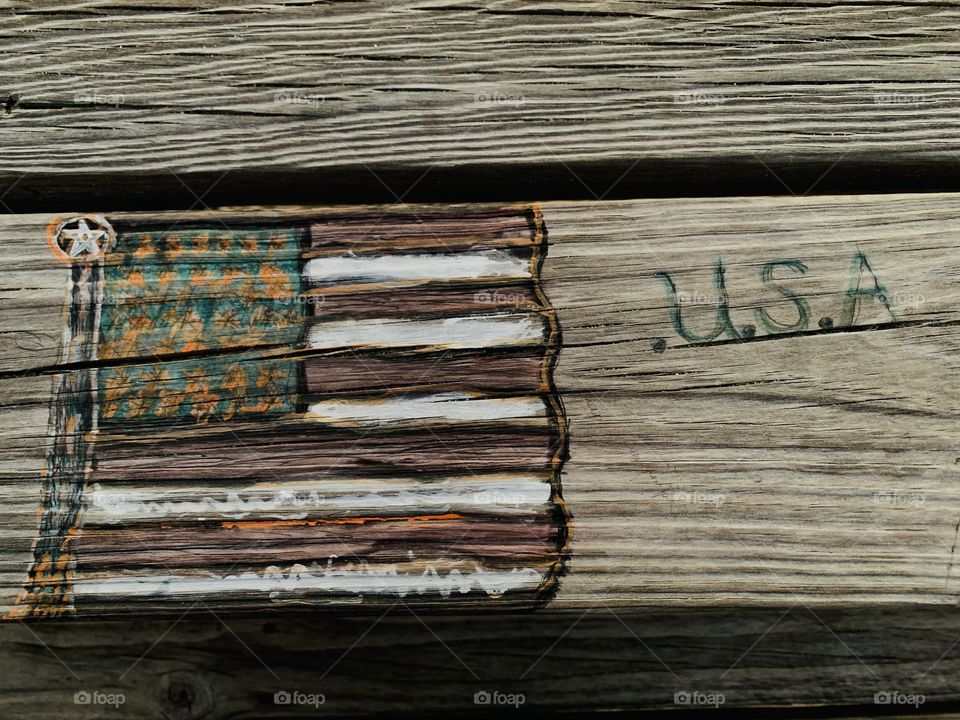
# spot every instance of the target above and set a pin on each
(757, 467)
(508, 88)
(766, 662)
(759, 395)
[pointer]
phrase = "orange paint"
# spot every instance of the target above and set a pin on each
(52, 241)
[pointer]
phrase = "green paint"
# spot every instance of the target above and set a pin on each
(803, 307)
(200, 289)
(202, 293)
(224, 387)
(856, 292)
(723, 323)
(864, 286)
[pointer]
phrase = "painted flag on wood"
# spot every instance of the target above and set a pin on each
(347, 409)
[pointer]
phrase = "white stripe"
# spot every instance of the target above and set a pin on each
(442, 406)
(421, 268)
(382, 580)
(317, 499)
(459, 332)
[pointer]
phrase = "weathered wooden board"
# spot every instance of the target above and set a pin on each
(512, 89)
(750, 464)
(781, 662)
(760, 394)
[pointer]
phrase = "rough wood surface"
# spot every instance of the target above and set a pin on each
(759, 393)
(191, 87)
(403, 665)
(800, 468)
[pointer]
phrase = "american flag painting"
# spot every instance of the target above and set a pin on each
(291, 410)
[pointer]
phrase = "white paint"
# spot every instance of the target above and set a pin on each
(374, 580)
(477, 331)
(441, 406)
(503, 495)
(422, 267)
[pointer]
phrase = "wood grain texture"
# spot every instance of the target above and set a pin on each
(800, 469)
(779, 662)
(192, 87)
(789, 462)
(728, 444)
